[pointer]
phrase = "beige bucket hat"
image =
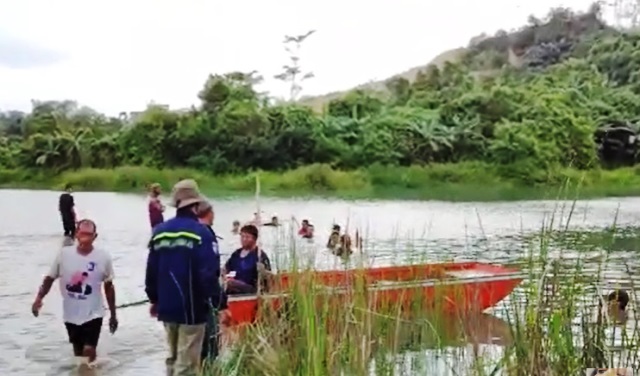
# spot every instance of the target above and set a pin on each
(185, 193)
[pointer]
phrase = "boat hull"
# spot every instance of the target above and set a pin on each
(461, 287)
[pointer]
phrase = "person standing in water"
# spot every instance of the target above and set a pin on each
(82, 268)
(182, 279)
(339, 244)
(210, 346)
(306, 230)
(66, 206)
(155, 205)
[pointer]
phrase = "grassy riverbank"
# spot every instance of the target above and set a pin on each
(454, 182)
(549, 326)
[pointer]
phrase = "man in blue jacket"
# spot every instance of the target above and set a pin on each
(182, 279)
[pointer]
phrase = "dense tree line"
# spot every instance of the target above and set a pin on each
(526, 119)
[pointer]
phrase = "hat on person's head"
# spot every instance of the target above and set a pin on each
(154, 186)
(185, 193)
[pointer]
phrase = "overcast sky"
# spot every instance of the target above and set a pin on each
(119, 55)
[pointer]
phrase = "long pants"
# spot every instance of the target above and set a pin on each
(185, 347)
(69, 225)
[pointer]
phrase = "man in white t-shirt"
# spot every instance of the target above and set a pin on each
(82, 269)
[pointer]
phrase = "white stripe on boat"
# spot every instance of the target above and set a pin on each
(395, 285)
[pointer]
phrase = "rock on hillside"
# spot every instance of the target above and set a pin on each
(537, 45)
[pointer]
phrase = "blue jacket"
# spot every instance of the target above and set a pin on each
(183, 270)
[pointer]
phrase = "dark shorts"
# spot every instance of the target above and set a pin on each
(83, 335)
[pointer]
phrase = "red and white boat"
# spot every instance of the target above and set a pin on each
(458, 287)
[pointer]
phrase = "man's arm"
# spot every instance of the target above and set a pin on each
(229, 264)
(45, 287)
(109, 290)
(47, 282)
(151, 277)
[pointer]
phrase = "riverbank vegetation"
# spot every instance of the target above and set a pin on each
(550, 325)
(465, 181)
(504, 115)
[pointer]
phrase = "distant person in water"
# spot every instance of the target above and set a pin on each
(66, 206)
(340, 244)
(306, 230)
(235, 229)
(617, 302)
(334, 238)
(155, 205)
(274, 221)
(249, 265)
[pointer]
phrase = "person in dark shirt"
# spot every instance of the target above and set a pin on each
(248, 263)
(274, 222)
(66, 206)
(218, 321)
(181, 279)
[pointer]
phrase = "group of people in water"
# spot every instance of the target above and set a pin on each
(186, 284)
(339, 243)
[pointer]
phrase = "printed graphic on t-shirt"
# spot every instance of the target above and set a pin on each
(79, 288)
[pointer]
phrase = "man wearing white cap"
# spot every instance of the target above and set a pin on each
(182, 279)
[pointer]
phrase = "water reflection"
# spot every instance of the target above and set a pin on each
(445, 345)
(438, 332)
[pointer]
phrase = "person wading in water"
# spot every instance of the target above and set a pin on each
(66, 206)
(306, 230)
(182, 279)
(274, 221)
(82, 268)
(155, 205)
(617, 302)
(210, 346)
(235, 229)
(340, 245)
(248, 264)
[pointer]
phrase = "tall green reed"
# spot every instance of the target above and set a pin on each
(550, 325)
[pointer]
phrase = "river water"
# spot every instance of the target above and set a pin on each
(395, 232)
